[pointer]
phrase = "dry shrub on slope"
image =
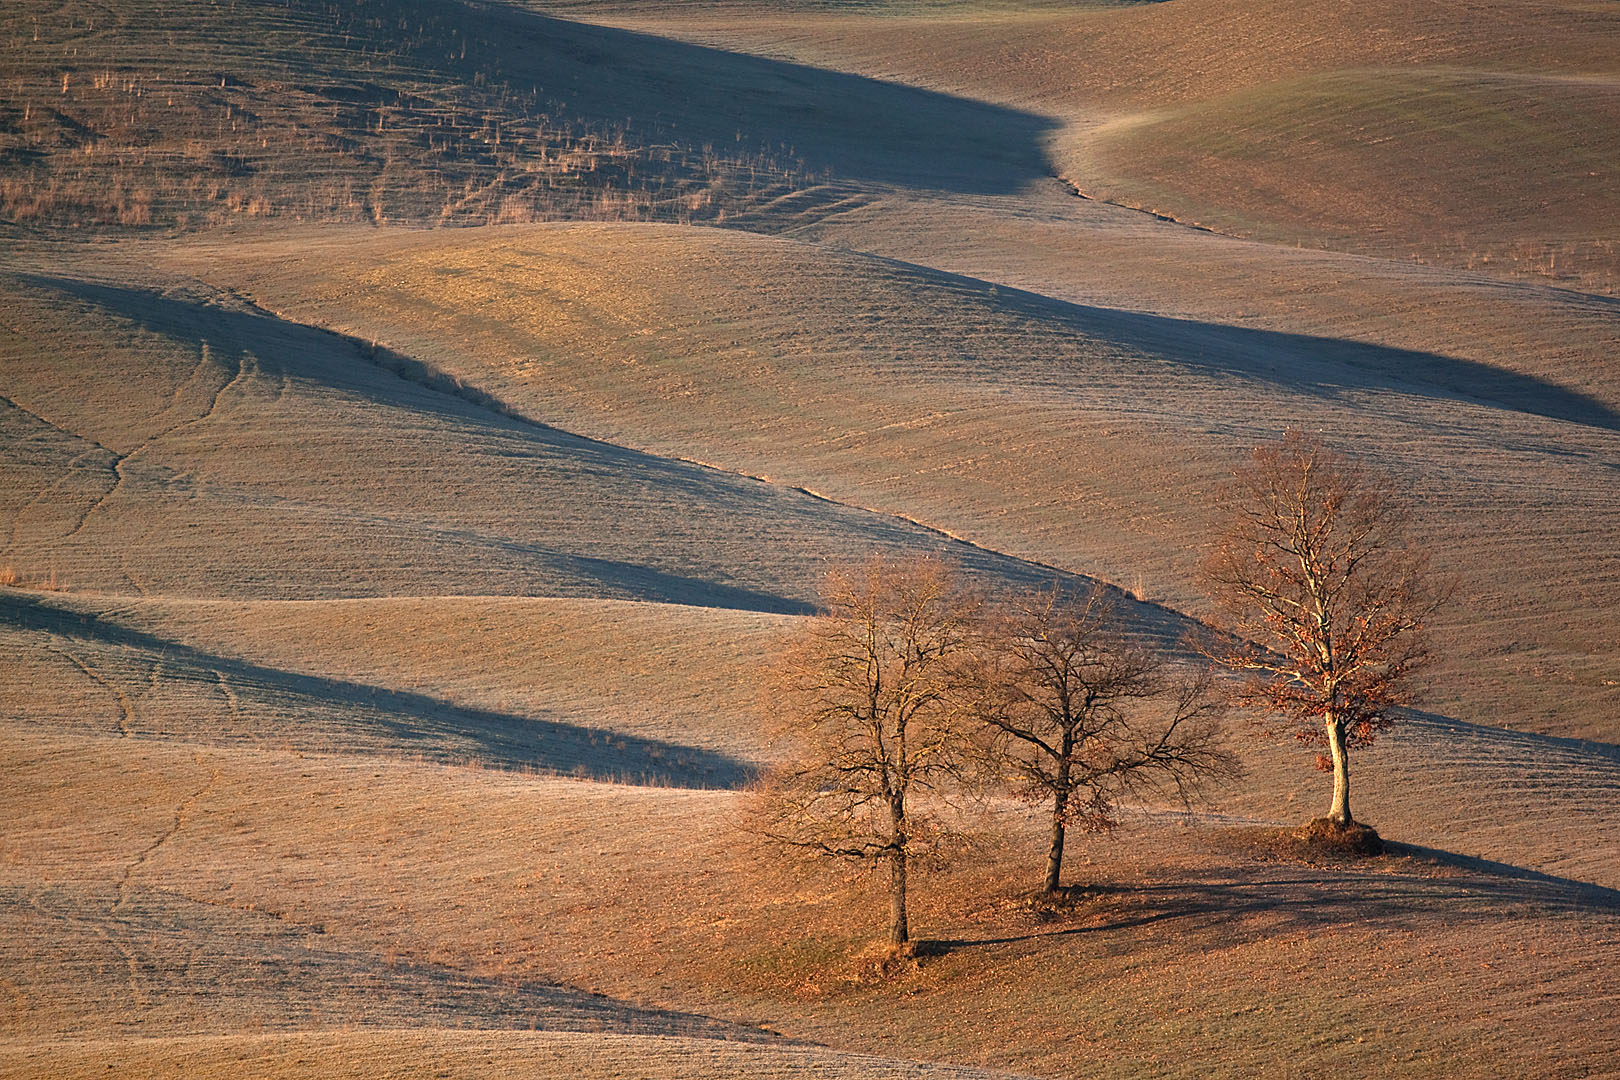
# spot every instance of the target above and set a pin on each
(414, 111)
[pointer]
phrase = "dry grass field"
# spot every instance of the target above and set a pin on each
(427, 112)
(1457, 133)
(422, 424)
(1020, 423)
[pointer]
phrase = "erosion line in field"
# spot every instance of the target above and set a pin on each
(45, 493)
(98, 927)
(231, 700)
(69, 432)
(126, 707)
(168, 834)
(129, 576)
(450, 385)
(130, 962)
(204, 362)
(113, 454)
(917, 523)
(96, 503)
(120, 460)
(255, 909)
(1074, 189)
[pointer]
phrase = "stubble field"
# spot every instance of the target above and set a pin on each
(387, 603)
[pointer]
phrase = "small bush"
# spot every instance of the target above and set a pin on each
(11, 578)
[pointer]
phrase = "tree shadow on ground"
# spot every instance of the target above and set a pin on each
(1525, 749)
(269, 706)
(1410, 885)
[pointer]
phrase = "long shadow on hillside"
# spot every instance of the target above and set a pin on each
(319, 713)
(1441, 885)
(185, 954)
(848, 127)
(433, 112)
(1553, 752)
(348, 365)
(328, 361)
(1318, 367)
(1499, 880)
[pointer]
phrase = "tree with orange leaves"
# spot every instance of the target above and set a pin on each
(1313, 569)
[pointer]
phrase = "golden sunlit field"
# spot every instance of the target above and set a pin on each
(424, 425)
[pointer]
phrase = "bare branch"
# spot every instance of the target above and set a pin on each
(1328, 602)
(1076, 717)
(867, 698)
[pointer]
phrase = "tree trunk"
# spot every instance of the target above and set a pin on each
(1054, 856)
(899, 931)
(1340, 811)
(899, 927)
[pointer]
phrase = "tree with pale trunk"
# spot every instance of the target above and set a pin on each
(868, 697)
(1078, 718)
(1326, 598)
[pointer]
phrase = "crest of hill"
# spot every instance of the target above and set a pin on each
(434, 112)
(178, 441)
(1460, 133)
(1482, 170)
(1069, 57)
(1083, 437)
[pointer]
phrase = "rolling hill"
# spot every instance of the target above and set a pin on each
(406, 489)
(1079, 436)
(1458, 133)
(434, 112)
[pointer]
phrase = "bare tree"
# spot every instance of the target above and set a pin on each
(868, 696)
(1312, 566)
(1081, 718)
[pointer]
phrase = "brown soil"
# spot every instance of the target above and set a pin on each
(383, 610)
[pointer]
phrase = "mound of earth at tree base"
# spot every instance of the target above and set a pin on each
(1332, 836)
(1320, 839)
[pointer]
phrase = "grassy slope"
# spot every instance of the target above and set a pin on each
(202, 733)
(216, 450)
(148, 114)
(483, 1054)
(583, 688)
(524, 899)
(235, 828)
(433, 112)
(263, 813)
(155, 114)
(1141, 54)
(653, 694)
(1372, 160)
(1258, 117)
(887, 386)
(144, 416)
